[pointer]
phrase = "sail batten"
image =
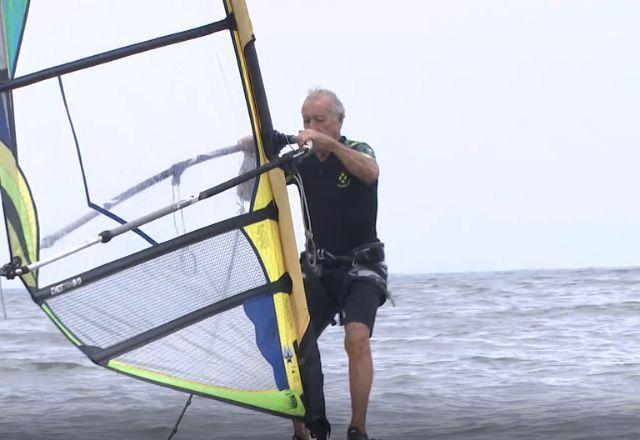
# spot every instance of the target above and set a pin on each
(116, 54)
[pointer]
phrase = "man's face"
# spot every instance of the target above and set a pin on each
(317, 115)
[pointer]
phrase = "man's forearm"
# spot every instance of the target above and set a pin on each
(360, 165)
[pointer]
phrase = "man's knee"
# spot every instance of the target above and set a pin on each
(356, 340)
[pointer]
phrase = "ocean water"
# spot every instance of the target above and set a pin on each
(501, 355)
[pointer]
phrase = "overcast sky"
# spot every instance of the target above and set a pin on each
(506, 132)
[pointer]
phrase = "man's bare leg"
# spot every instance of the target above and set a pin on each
(300, 430)
(358, 348)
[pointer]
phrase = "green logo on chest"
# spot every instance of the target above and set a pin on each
(343, 180)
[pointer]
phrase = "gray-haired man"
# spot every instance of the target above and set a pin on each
(347, 274)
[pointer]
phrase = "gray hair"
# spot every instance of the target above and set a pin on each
(336, 104)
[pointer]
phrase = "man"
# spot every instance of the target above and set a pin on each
(344, 267)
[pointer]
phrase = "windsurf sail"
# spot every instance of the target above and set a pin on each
(110, 113)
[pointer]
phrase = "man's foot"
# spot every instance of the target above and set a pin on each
(319, 429)
(355, 434)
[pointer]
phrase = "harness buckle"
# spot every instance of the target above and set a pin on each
(368, 253)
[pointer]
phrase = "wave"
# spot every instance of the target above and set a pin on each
(52, 366)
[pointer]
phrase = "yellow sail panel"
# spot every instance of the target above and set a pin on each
(266, 238)
(288, 339)
(300, 311)
(19, 212)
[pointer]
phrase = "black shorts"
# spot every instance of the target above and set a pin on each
(347, 292)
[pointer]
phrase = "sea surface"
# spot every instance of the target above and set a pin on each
(494, 355)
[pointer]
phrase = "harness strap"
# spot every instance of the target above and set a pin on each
(367, 253)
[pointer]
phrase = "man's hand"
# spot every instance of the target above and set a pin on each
(323, 145)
